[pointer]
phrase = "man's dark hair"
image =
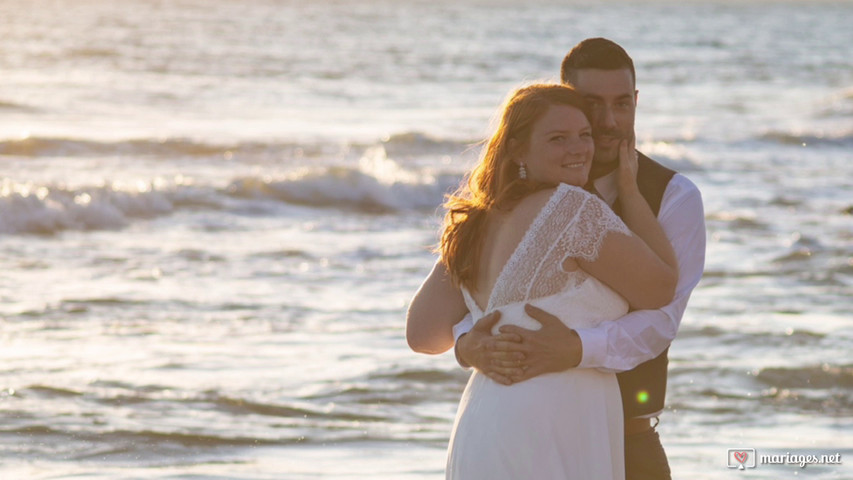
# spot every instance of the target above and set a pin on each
(598, 53)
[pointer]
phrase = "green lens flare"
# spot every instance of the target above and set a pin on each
(642, 396)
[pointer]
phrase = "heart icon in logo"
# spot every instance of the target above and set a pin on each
(740, 456)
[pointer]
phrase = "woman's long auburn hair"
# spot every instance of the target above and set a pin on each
(494, 183)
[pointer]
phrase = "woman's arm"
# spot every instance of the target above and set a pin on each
(636, 212)
(640, 267)
(435, 308)
(628, 266)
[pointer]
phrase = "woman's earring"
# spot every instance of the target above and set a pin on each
(522, 171)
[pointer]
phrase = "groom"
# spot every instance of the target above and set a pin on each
(635, 345)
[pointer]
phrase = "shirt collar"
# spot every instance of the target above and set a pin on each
(607, 188)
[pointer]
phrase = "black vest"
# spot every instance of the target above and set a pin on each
(644, 387)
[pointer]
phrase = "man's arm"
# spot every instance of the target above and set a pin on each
(430, 328)
(639, 336)
(490, 354)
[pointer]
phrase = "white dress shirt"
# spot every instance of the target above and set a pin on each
(642, 335)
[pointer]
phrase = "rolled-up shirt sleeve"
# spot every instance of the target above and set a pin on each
(641, 335)
(463, 327)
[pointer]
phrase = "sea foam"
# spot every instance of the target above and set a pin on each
(375, 185)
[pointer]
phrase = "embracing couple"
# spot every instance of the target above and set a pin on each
(567, 260)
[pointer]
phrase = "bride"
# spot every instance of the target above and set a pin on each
(523, 231)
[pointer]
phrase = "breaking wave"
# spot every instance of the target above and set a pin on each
(375, 185)
(809, 139)
(168, 147)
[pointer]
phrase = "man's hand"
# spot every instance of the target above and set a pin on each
(553, 348)
(497, 356)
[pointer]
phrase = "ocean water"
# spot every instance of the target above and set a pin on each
(214, 213)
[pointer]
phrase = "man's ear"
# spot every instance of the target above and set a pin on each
(636, 97)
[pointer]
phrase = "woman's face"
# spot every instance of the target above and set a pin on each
(561, 147)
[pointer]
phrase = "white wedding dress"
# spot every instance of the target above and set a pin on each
(565, 425)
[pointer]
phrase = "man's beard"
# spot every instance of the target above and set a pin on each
(603, 166)
(605, 162)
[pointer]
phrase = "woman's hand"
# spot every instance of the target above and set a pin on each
(627, 176)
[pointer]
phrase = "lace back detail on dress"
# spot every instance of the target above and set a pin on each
(573, 223)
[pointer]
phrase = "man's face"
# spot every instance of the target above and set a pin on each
(613, 102)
